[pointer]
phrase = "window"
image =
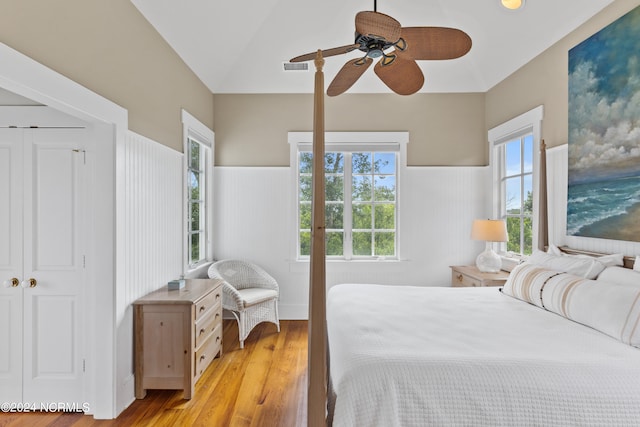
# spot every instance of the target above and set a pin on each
(516, 188)
(515, 146)
(198, 156)
(196, 201)
(361, 192)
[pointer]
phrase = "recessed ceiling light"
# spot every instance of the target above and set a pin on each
(513, 4)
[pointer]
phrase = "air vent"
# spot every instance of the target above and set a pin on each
(296, 66)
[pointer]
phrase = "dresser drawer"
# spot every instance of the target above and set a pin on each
(207, 323)
(206, 303)
(459, 279)
(208, 351)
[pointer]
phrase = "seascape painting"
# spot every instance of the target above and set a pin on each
(604, 133)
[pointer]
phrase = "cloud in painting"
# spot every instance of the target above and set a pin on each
(604, 103)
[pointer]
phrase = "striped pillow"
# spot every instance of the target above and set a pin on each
(611, 308)
(526, 282)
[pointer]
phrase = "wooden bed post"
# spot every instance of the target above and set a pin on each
(317, 351)
(543, 228)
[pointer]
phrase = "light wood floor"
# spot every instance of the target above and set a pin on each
(262, 385)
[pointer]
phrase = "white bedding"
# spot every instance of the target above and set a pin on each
(416, 356)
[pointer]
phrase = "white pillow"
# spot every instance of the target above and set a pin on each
(587, 267)
(554, 250)
(607, 260)
(636, 263)
(620, 275)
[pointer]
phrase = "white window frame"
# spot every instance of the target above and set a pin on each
(193, 129)
(529, 122)
(348, 141)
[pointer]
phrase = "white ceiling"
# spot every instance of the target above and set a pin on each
(240, 46)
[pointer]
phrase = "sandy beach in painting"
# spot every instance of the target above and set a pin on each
(620, 227)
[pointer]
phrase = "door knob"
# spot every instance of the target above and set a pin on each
(11, 283)
(31, 283)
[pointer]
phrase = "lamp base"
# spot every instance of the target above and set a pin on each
(489, 261)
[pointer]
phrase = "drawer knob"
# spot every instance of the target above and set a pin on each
(217, 296)
(459, 277)
(202, 331)
(217, 339)
(204, 356)
(202, 308)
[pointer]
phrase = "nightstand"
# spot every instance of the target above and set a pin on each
(469, 275)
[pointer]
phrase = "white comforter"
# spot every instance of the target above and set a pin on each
(414, 356)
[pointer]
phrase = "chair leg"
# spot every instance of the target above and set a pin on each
(240, 319)
(241, 329)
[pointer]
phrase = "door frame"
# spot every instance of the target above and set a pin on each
(26, 77)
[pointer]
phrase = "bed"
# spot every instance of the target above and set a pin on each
(551, 348)
(537, 354)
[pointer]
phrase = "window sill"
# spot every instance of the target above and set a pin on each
(199, 271)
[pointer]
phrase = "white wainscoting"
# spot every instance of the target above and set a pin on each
(255, 220)
(152, 223)
(557, 167)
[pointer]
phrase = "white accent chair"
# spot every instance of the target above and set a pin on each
(248, 292)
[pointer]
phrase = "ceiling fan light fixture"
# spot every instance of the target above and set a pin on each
(513, 4)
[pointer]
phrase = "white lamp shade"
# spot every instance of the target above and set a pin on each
(489, 230)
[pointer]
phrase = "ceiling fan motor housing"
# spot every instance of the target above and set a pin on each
(373, 47)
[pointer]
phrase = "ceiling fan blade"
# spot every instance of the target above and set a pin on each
(378, 25)
(431, 43)
(348, 75)
(402, 75)
(326, 53)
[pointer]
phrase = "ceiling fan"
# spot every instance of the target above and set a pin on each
(375, 34)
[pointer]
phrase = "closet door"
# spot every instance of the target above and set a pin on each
(11, 265)
(41, 265)
(53, 266)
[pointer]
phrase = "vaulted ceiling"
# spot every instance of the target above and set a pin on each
(241, 46)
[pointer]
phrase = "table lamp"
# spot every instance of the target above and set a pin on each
(489, 230)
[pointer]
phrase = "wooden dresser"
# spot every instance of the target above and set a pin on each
(177, 335)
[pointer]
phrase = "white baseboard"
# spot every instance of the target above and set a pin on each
(126, 394)
(293, 311)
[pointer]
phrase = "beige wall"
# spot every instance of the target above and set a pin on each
(544, 81)
(109, 47)
(444, 129)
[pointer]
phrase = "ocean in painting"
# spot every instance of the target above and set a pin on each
(602, 206)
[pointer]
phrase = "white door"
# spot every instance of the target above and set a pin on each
(51, 274)
(11, 267)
